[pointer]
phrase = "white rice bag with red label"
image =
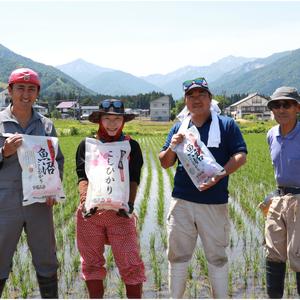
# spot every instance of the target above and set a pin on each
(40, 172)
(196, 158)
(107, 169)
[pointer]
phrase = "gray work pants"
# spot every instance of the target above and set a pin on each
(37, 221)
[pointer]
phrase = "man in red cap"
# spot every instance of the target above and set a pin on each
(24, 76)
(37, 219)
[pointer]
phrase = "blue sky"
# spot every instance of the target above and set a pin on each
(146, 37)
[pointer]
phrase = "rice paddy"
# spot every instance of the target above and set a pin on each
(248, 187)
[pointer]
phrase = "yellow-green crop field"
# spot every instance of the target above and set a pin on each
(248, 187)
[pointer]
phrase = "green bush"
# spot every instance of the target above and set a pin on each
(74, 131)
(55, 114)
(250, 117)
(255, 129)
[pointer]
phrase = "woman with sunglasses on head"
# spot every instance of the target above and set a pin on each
(282, 227)
(102, 225)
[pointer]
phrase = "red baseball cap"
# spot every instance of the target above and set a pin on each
(24, 75)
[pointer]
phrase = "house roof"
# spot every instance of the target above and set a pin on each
(39, 106)
(96, 107)
(245, 99)
(4, 92)
(66, 104)
(161, 98)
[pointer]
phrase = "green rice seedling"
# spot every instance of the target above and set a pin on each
(164, 238)
(23, 238)
(26, 282)
(201, 260)
(152, 242)
(24, 291)
(71, 233)
(263, 279)
(246, 269)
(230, 282)
(59, 238)
(191, 284)
(31, 282)
(75, 263)
(288, 288)
(293, 281)
(253, 181)
(121, 289)
(171, 176)
(154, 264)
(68, 281)
(109, 260)
(288, 282)
(190, 272)
(255, 264)
(14, 279)
(160, 199)
(61, 259)
(144, 202)
(5, 293)
(236, 218)
(253, 295)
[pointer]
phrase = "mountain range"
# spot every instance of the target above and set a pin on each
(229, 75)
(172, 82)
(115, 82)
(262, 75)
(107, 81)
(55, 83)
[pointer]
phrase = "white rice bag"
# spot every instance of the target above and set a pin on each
(40, 173)
(196, 158)
(107, 169)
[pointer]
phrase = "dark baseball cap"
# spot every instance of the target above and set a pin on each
(199, 82)
(285, 93)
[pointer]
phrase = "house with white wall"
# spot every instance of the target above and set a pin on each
(4, 99)
(160, 109)
(253, 104)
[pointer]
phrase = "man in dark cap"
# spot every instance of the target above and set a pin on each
(201, 210)
(282, 229)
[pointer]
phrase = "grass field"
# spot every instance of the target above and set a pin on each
(247, 187)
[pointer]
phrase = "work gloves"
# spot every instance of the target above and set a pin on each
(123, 213)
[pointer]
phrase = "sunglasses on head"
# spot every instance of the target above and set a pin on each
(117, 105)
(199, 81)
(283, 104)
